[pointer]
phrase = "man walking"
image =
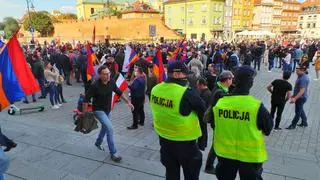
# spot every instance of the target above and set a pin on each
(240, 122)
(299, 98)
(101, 93)
(175, 109)
(281, 91)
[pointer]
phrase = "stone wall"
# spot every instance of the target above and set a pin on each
(114, 27)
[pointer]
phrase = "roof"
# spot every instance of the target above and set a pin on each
(309, 3)
(139, 7)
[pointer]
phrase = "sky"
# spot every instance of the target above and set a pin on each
(17, 8)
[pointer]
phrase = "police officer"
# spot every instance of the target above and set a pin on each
(240, 122)
(175, 109)
(220, 89)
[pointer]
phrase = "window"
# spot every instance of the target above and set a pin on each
(204, 7)
(182, 21)
(315, 17)
(217, 7)
(204, 20)
(301, 17)
(309, 17)
(300, 25)
(190, 8)
(221, 7)
(313, 25)
(190, 22)
(169, 10)
(182, 9)
(308, 25)
(193, 36)
(92, 10)
(218, 20)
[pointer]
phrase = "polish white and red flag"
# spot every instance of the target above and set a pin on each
(123, 85)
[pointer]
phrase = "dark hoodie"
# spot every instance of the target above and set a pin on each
(244, 78)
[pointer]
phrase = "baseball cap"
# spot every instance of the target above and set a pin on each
(177, 66)
(226, 75)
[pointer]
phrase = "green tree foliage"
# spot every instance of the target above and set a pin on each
(1, 26)
(10, 26)
(69, 16)
(41, 22)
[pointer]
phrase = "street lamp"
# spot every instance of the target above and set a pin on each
(29, 17)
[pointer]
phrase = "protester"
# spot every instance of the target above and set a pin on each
(101, 94)
(316, 60)
(51, 74)
(299, 98)
(137, 89)
(281, 91)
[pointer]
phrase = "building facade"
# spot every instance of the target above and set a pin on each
(198, 19)
(242, 15)
(309, 19)
(290, 13)
(85, 8)
(263, 15)
(227, 26)
(276, 16)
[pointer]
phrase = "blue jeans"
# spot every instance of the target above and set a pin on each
(53, 94)
(4, 164)
(271, 63)
(286, 67)
(106, 130)
(41, 82)
(299, 112)
(295, 62)
(277, 62)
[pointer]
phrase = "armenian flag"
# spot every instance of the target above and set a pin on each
(16, 78)
(90, 68)
(180, 53)
(134, 57)
(158, 67)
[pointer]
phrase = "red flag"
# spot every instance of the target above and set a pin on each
(158, 66)
(94, 35)
(90, 68)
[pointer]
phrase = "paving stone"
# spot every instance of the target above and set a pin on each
(82, 167)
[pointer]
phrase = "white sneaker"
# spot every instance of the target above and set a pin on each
(59, 105)
(55, 107)
(269, 71)
(316, 79)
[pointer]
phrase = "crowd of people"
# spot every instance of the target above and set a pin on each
(207, 82)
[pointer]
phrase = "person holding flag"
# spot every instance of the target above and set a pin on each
(101, 94)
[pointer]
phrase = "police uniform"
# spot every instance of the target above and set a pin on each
(175, 109)
(238, 134)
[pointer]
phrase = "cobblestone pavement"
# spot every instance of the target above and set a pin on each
(48, 148)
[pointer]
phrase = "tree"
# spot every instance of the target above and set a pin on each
(68, 16)
(41, 22)
(1, 26)
(10, 26)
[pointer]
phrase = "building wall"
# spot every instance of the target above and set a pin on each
(277, 16)
(203, 18)
(309, 24)
(116, 28)
(290, 13)
(227, 25)
(84, 8)
(156, 4)
(242, 15)
(263, 16)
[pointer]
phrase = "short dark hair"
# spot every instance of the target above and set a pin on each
(203, 81)
(140, 70)
(286, 75)
(101, 68)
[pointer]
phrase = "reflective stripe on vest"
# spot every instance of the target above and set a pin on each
(236, 135)
(168, 122)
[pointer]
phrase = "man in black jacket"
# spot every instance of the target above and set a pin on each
(66, 65)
